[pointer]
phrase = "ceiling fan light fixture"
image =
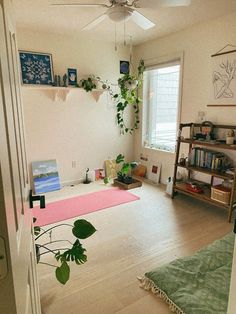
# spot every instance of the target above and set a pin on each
(119, 13)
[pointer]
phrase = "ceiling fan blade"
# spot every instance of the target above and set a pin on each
(81, 5)
(175, 3)
(141, 20)
(94, 22)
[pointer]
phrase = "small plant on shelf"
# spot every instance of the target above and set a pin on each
(88, 84)
(70, 252)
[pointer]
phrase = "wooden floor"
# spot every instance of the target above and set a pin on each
(131, 239)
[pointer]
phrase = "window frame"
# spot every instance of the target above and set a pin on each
(156, 63)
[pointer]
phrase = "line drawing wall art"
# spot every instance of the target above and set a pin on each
(224, 77)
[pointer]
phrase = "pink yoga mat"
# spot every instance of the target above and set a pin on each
(81, 205)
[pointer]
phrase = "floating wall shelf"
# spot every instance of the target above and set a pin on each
(61, 93)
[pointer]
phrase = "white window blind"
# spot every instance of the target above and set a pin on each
(161, 100)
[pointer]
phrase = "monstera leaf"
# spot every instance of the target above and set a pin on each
(75, 254)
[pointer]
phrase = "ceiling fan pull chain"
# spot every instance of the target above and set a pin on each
(115, 39)
(124, 32)
(130, 50)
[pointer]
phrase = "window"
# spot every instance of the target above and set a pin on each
(161, 104)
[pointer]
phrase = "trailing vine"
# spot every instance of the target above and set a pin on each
(128, 96)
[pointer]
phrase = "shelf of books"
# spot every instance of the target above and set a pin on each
(223, 175)
(207, 156)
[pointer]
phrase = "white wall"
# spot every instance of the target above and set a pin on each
(79, 129)
(198, 43)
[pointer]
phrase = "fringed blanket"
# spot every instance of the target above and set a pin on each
(197, 284)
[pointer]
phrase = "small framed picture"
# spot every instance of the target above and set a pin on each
(36, 68)
(154, 171)
(72, 76)
(124, 67)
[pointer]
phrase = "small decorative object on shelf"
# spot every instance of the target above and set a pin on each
(54, 83)
(230, 137)
(213, 163)
(194, 187)
(204, 131)
(64, 78)
(183, 160)
(72, 77)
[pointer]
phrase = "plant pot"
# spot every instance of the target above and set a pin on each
(135, 183)
(37, 250)
(127, 180)
(131, 84)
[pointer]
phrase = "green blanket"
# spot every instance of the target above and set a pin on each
(198, 284)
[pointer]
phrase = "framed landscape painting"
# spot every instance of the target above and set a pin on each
(36, 68)
(45, 176)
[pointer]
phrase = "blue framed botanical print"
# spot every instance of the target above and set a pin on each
(36, 68)
(72, 76)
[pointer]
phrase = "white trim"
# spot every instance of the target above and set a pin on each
(155, 63)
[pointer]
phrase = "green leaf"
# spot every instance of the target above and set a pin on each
(106, 180)
(83, 229)
(125, 168)
(75, 254)
(120, 158)
(133, 164)
(63, 273)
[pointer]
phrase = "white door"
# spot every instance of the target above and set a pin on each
(18, 281)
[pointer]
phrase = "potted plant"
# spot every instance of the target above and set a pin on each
(65, 252)
(88, 84)
(124, 175)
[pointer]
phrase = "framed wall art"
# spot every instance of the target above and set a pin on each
(72, 76)
(111, 168)
(154, 171)
(36, 68)
(45, 176)
(224, 77)
(124, 67)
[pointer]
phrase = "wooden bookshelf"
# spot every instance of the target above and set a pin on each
(205, 196)
(217, 146)
(218, 174)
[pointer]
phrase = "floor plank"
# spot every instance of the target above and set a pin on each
(131, 239)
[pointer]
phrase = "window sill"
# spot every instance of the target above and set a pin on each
(159, 150)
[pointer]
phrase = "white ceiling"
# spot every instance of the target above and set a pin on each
(41, 16)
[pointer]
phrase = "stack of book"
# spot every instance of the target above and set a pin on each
(205, 158)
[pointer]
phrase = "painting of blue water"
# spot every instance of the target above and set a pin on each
(45, 176)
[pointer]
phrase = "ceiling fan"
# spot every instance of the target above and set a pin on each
(122, 10)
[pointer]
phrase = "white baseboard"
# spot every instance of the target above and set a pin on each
(72, 182)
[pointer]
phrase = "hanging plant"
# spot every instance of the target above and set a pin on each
(128, 96)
